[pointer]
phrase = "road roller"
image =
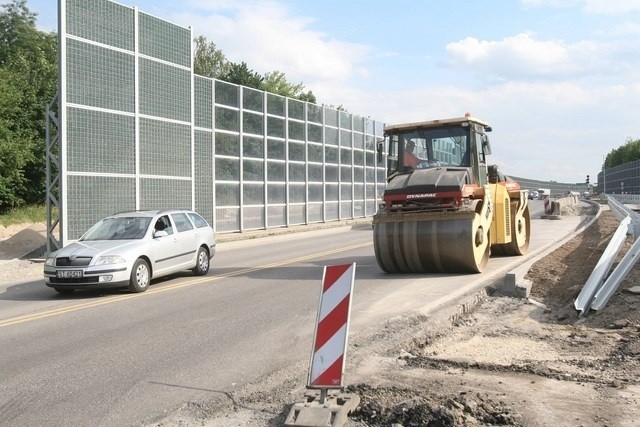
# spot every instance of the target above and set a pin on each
(444, 208)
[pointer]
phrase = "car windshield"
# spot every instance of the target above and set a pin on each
(120, 228)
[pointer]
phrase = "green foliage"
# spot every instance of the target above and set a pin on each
(626, 153)
(240, 74)
(25, 214)
(28, 80)
(208, 60)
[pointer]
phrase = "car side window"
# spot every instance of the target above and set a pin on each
(163, 224)
(198, 221)
(182, 222)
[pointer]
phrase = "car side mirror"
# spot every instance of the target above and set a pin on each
(160, 233)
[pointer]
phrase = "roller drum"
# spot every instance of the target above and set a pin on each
(520, 233)
(436, 245)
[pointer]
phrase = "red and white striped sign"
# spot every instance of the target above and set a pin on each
(332, 327)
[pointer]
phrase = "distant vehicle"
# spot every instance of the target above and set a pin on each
(129, 249)
(533, 194)
(543, 192)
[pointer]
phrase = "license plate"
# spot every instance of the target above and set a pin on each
(69, 274)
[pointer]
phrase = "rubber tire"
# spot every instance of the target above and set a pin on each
(202, 262)
(64, 291)
(140, 276)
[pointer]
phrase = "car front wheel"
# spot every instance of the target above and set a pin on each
(140, 276)
(202, 263)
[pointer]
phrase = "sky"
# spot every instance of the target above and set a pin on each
(558, 80)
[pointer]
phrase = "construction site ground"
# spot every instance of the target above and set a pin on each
(495, 360)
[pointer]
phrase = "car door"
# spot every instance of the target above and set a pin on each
(165, 246)
(187, 239)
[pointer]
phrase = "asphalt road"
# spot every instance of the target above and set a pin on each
(116, 359)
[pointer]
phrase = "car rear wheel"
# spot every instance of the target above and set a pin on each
(202, 263)
(140, 276)
(64, 290)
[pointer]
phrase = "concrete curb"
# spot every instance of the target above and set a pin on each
(514, 282)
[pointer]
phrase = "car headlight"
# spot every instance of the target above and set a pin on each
(109, 259)
(50, 261)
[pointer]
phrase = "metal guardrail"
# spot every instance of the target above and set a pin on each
(597, 291)
(618, 203)
(584, 300)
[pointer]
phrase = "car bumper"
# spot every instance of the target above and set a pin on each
(91, 277)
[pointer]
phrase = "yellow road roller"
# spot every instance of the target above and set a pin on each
(444, 209)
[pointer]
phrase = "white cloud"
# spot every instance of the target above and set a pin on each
(268, 37)
(523, 57)
(596, 7)
(611, 7)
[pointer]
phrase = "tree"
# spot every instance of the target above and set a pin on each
(28, 65)
(626, 153)
(276, 82)
(240, 74)
(208, 60)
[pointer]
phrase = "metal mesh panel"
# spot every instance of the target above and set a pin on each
(165, 91)
(227, 219)
(297, 193)
(101, 21)
(296, 109)
(118, 194)
(277, 216)
(296, 130)
(315, 212)
(297, 214)
(315, 153)
(331, 117)
(203, 92)
(252, 123)
(164, 40)
(227, 144)
(100, 77)
(297, 172)
(275, 105)
(226, 94)
(314, 113)
(228, 194)
(227, 169)
(276, 194)
(315, 173)
(275, 127)
(100, 142)
(164, 193)
(253, 217)
(296, 151)
(331, 192)
(331, 211)
(252, 99)
(345, 120)
(165, 148)
(345, 138)
(315, 192)
(276, 172)
(345, 209)
(330, 136)
(203, 173)
(253, 147)
(314, 133)
(276, 149)
(253, 170)
(253, 194)
(358, 208)
(227, 119)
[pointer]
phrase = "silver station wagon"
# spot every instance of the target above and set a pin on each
(129, 249)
